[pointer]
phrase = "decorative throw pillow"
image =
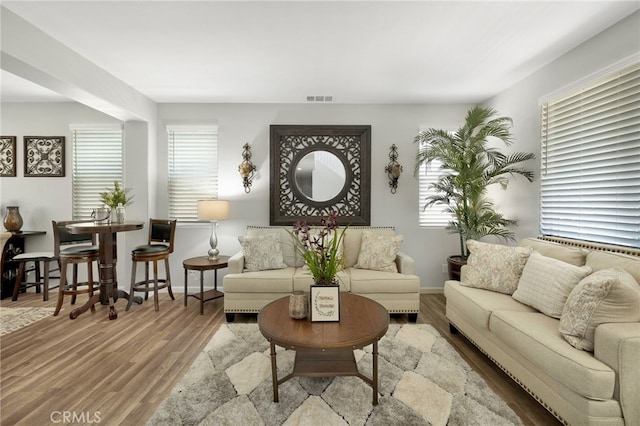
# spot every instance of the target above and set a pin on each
(546, 283)
(606, 296)
(262, 252)
(378, 252)
(494, 267)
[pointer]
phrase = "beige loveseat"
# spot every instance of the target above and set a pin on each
(600, 386)
(249, 291)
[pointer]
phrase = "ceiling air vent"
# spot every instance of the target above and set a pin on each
(319, 98)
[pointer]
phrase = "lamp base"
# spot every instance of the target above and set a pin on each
(213, 253)
(213, 242)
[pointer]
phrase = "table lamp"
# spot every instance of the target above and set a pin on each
(213, 210)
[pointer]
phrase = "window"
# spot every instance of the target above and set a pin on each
(590, 183)
(433, 216)
(193, 169)
(97, 163)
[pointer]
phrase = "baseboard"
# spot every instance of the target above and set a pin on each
(431, 290)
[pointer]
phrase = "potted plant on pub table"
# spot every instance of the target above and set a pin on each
(469, 165)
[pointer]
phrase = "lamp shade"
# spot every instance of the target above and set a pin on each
(213, 209)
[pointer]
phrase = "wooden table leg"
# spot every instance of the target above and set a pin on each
(274, 372)
(201, 292)
(375, 373)
(84, 308)
(185, 286)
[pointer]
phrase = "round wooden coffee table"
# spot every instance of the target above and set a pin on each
(325, 349)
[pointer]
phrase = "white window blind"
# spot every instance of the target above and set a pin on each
(97, 163)
(193, 169)
(590, 184)
(433, 216)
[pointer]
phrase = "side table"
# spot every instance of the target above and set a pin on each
(202, 263)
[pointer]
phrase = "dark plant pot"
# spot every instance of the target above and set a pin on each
(455, 263)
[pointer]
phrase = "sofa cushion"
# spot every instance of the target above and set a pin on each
(494, 267)
(271, 281)
(535, 336)
(353, 240)
(599, 260)
(287, 244)
(262, 252)
(378, 252)
(478, 304)
(573, 255)
(365, 281)
(606, 296)
(546, 283)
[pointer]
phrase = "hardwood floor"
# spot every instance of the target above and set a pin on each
(118, 372)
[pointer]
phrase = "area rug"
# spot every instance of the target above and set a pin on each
(423, 381)
(12, 319)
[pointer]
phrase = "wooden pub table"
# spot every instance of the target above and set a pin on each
(202, 263)
(325, 349)
(108, 247)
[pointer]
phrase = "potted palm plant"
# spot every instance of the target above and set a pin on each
(469, 165)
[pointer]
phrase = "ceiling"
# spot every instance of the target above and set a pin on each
(285, 51)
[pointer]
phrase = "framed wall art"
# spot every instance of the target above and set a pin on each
(7, 155)
(325, 303)
(317, 169)
(44, 156)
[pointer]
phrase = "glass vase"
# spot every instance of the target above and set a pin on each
(298, 305)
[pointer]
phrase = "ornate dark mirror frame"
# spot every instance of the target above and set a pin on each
(350, 143)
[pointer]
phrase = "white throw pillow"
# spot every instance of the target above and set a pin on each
(378, 252)
(262, 252)
(546, 283)
(494, 267)
(606, 296)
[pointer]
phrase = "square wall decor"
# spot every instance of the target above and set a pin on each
(7, 155)
(44, 156)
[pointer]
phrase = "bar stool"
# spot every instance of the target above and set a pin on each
(40, 281)
(159, 247)
(82, 250)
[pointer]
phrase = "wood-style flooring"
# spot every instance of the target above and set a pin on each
(118, 372)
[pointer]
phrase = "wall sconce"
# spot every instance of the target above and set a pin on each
(393, 169)
(246, 168)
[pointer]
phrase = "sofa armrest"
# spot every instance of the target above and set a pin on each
(463, 272)
(406, 264)
(618, 346)
(236, 263)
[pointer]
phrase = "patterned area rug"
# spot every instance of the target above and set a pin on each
(423, 381)
(12, 319)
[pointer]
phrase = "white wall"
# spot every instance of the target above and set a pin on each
(522, 103)
(249, 123)
(43, 199)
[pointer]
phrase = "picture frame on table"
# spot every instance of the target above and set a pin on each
(7, 156)
(44, 156)
(325, 303)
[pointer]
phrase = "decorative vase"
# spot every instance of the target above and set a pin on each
(120, 213)
(13, 220)
(298, 305)
(455, 263)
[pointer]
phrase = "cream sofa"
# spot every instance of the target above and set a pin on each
(249, 292)
(577, 386)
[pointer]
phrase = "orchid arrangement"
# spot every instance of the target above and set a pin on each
(321, 251)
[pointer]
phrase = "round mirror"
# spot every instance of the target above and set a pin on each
(320, 175)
